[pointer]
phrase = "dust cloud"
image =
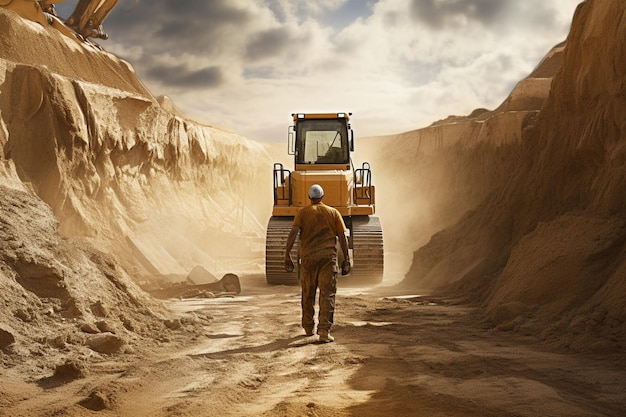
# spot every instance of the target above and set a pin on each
(408, 212)
(428, 179)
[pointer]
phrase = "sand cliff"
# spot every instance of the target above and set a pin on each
(117, 164)
(103, 187)
(530, 196)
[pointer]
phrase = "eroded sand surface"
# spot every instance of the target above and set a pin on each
(394, 354)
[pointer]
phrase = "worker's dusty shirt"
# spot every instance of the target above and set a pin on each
(319, 225)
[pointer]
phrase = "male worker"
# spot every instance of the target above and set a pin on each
(319, 226)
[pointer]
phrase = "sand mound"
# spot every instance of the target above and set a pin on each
(62, 294)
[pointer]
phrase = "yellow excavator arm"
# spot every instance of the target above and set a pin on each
(85, 22)
(88, 17)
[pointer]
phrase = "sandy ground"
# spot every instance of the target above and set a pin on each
(394, 355)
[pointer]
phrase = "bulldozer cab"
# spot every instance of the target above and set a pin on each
(322, 140)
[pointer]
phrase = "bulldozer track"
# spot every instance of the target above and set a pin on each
(367, 250)
(277, 231)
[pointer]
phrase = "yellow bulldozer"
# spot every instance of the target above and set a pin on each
(322, 144)
(85, 22)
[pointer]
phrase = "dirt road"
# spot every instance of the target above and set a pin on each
(394, 355)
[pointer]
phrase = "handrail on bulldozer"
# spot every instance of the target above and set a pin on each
(363, 184)
(282, 191)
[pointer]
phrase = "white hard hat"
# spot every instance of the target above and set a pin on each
(316, 191)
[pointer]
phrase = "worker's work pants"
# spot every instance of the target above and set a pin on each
(322, 274)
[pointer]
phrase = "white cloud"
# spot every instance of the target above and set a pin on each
(396, 64)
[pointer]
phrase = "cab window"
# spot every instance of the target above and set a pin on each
(322, 142)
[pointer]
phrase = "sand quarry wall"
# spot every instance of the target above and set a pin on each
(101, 181)
(121, 167)
(534, 210)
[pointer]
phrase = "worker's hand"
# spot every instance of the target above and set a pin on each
(289, 266)
(345, 267)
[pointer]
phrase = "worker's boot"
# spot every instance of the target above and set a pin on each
(325, 337)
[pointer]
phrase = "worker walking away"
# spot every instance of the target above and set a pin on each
(319, 226)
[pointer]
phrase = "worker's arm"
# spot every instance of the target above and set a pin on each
(291, 239)
(343, 242)
(345, 265)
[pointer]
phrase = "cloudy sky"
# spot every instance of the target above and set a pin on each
(397, 65)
